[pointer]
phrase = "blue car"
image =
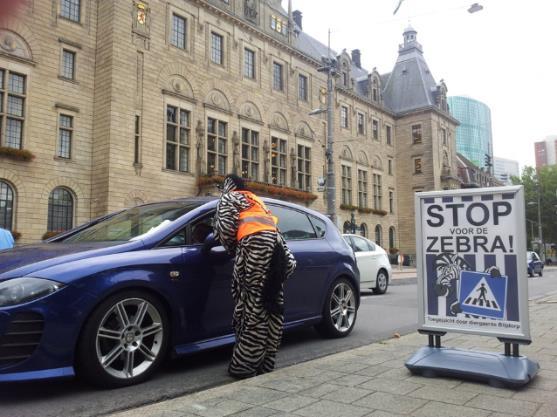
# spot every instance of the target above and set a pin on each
(535, 264)
(111, 299)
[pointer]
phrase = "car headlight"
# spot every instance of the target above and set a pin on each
(23, 290)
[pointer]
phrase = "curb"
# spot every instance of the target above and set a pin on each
(403, 281)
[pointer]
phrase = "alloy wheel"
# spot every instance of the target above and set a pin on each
(129, 338)
(343, 307)
(382, 281)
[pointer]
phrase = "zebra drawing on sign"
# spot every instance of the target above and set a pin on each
(257, 292)
(448, 267)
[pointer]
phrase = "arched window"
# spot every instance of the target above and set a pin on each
(363, 230)
(392, 242)
(378, 235)
(347, 227)
(6, 205)
(60, 210)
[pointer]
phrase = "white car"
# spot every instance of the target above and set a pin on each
(373, 263)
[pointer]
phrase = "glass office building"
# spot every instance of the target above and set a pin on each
(473, 136)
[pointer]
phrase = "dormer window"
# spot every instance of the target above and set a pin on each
(279, 25)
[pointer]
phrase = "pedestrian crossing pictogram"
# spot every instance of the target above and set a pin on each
(482, 295)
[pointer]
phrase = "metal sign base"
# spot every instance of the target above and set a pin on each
(493, 368)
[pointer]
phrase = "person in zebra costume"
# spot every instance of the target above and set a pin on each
(245, 227)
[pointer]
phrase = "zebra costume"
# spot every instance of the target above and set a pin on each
(258, 330)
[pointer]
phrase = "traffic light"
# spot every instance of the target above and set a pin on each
(488, 160)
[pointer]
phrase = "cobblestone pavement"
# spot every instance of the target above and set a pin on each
(372, 381)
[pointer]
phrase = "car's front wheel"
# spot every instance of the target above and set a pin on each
(382, 282)
(124, 340)
(340, 310)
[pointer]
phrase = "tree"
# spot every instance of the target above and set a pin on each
(544, 179)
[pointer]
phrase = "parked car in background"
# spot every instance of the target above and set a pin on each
(109, 299)
(373, 263)
(535, 264)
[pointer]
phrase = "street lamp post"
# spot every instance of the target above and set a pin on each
(329, 66)
(540, 231)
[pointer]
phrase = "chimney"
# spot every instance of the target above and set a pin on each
(297, 16)
(357, 58)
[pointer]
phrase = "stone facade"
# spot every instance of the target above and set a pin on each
(137, 62)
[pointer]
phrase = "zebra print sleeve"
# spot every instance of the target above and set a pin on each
(290, 260)
(226, 222)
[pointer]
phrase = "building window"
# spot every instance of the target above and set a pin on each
(12, 106)
(375, 128)
(250, 154)
(388, 132)
(71, 9)
(344, 116)
(178, 36)
(177, 139)
(68, 64)
(377, 192)
(378, 234)
(346, 185)
(391, 202)
(249, 64)
(278, 161)
(363, 229)
(65, 135)
(390, 166)
(217, 51)
(217, 146)
(279, 25)
(6, 206)
(60, 210)
(392, 241)
(416, 133)
(417, 166)
(303, 87)
(304, 167)
(278, 82)
(362, 188)
(361, 124)
(345, 79)
(137, 140)
(444, 136)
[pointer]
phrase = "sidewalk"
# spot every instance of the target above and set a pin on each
(406, 275)
(372, 381)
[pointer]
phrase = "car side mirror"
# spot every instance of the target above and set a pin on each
(209, 243)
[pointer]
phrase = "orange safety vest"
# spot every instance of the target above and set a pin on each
(255, 219)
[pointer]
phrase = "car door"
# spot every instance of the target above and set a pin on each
(204, 283)
(314, 257)
(366, 259)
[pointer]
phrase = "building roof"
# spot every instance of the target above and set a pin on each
(410, 85)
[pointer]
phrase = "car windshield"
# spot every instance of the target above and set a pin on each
(132, 224)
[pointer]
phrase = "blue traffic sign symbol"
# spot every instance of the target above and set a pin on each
(482, 294)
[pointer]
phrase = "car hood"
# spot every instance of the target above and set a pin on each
(28, 259)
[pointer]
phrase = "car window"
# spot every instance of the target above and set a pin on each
(293, 224)
(200, 229)
(198, 232)
(319, 225)
(360, 245)
(132, 224)
(370, 245)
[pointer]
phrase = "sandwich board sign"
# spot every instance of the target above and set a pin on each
(471, 257)
(472, 274)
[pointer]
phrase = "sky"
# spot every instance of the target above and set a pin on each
(504, 55)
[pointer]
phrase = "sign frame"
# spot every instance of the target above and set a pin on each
(519, 233)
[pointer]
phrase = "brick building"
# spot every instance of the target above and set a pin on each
(109, 104)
